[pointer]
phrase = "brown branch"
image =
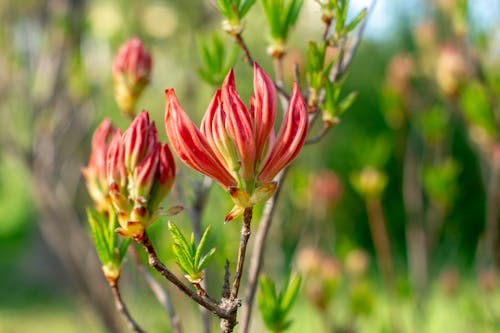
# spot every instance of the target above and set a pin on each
(246, 52)
(324, 131)
(122, 308)
(155, 262)
(160, 293)
(279, 83)
(245, 235)
(258, 255)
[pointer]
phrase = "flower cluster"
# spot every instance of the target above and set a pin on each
(236, 145)
(140, 172)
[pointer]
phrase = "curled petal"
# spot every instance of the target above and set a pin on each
(215, 134)
(139, 140)
(189, 143)
(264, 108)
(145, 173)
(240, 127)
(290, 139)
(229, 79)
(166, 168)
(115, 168)
(164, 180)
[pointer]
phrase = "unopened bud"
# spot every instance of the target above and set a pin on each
(131, 73)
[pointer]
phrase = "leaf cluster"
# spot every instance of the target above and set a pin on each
(217, 60)
(274, 306)
(109, 248)
(281, 16)
(189, 256)
(234, 10)
(336, 10)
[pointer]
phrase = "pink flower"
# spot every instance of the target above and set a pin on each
(140, 174)
(235, 145)
(95, 172)
(131, 73)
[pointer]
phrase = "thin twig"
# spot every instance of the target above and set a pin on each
(246, 52)
(160, 293)
(232, 303)
(258, 255)
(122, 308)
(155, 262)
(324, 131)
(280, 86)
(245, 235)
(196, 212)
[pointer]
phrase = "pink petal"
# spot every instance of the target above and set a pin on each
(189, 143)
(290, 139)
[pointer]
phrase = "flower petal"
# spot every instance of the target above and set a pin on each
(264, 108)
(240, 128)
(189, 143)
(290, 139)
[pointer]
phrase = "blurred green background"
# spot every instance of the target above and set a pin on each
(426, 126)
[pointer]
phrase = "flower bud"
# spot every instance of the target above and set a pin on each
(95, 172)
(131, 73)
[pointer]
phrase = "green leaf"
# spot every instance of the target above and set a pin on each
(183, 259)
(245, 7)
(179, 238)
(347, 102)
(204, 260)
(293, 12)
(122, 250)
(354, 23)
(182, 249)
(201, 246)
(290, 295)
(98, 231)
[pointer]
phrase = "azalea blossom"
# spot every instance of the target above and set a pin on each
(236, 145)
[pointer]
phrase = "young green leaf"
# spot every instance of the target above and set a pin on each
(289, 295)
(189, 256)
(98, 230)
(274, 307)
(201, 246)
(354, 23)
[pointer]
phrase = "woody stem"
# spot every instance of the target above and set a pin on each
(245, 235)
(122, 308)
(155, 262)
